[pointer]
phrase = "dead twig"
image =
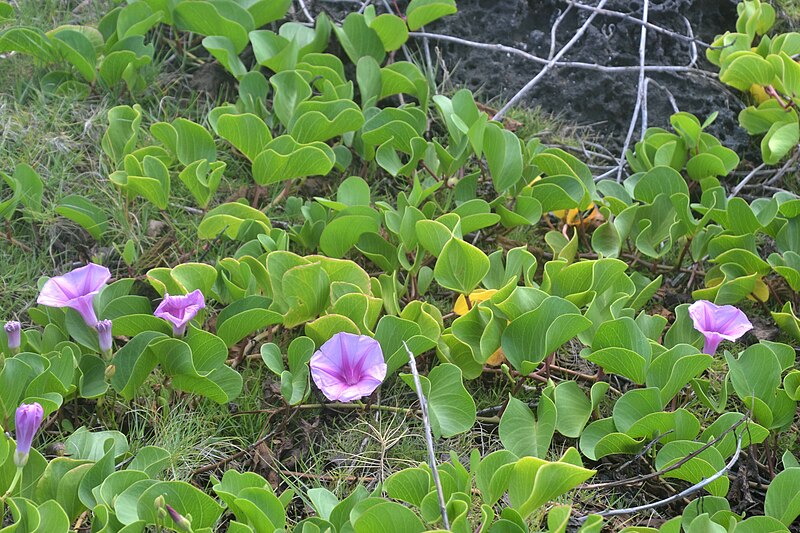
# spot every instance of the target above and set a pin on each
(550, 64)
(423, 403)
(639, 92)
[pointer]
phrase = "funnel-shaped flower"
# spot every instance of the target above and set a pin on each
(348, 367)
(718, 322)
(179, 310)
(13, 331)
(77, 290)
(28, 419)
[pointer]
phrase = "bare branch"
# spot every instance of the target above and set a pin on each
(553, 31)
(746, 179)
(561, 64)
(423, 403)
(305, 11)
(550, 64)
(634, 20)
(684, 493)
(639, 92)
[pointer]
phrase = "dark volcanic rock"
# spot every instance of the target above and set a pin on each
(603, 100)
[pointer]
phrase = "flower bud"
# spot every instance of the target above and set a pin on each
(110, 371)
(181, 522)
(14, 334)
(160, 504)
(28, 419)
(104, 336)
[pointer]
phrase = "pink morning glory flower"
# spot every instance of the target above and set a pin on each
(180, 310)
(28, 418)
(348, 367)
(718, 323)
(77, 290)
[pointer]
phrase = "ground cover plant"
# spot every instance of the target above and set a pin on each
(265, 269)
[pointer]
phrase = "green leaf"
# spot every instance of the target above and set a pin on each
(359, 40)
(504, 156)
(746, 69)
(306, 291)
(410, 485)
(535, 481)
(231, 219)
(120, 137)
(28, 41)
(223, 49)
(391, 29)
(77, 50)
(783, 496)
(284, 158)
(244, 317)
(450, 406)
(573, 407)
(525, 435)
(29, 187)
(321, 121)
(460, 267)
(246, 132)
(779, 140)
(205, 18)
(534, 335)
(85, 214)
(386, 517)
(185, 498)
(421, 12)
(202, 179)
(194, 142)
(343, 232)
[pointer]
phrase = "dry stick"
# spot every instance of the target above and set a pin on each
(634, 20)
(784, 169)
(550, 64)
(553, 31)
(567, 64)
(693, 46)
(674, 466)
(305, 11)
(428, 436)
(639, 91)
(675, 497)
(747, 178)
(670, 96)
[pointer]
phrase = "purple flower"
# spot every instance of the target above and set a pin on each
(718, 322)
(181, 522)
(179, 310)
(77, 290)
(28, 419)
(348, 367)
(104, 335)
(14, 334)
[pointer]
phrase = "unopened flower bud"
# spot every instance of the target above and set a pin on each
(13, 331)
(110, 371)
(160, 506)
(181, 522)
(104, 336)
(27, 421)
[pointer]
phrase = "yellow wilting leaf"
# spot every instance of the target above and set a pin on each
(497, 358)
(760, 292)
(460, 308)
(758, 93)
(572, 219)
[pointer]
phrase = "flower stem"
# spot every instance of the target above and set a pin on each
(14, 483)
